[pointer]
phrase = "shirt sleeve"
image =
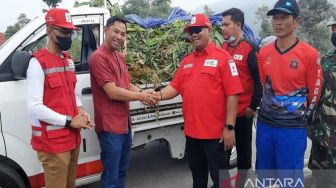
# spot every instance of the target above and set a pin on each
(261, 69)
(35, 89)
(102, 69)
(78, 99)
(314, 80)
(253, 67)
(230, 78)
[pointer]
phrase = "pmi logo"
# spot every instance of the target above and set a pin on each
(229, 183)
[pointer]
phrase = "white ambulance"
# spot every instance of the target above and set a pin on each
(19, 166)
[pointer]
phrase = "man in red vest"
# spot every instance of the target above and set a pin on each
(54, 108)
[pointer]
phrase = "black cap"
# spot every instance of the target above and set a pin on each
(287, 6)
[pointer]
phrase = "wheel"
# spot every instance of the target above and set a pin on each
(9, 178)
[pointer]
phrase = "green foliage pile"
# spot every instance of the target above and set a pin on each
(153, 55)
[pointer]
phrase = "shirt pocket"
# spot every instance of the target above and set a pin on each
(207, 77)
(54, 81)
(56, 88)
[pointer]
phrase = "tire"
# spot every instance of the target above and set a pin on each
(9, 178)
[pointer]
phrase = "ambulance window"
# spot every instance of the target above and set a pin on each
(41, 43)
(89, 43)
(75, 49)
(76, 45)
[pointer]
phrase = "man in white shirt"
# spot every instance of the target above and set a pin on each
(54, 108)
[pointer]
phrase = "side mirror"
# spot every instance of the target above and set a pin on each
(20, 64)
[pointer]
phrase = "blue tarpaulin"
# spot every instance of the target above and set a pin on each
(179, 14)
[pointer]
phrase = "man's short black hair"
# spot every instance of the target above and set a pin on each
(236, 15)
(114, 19)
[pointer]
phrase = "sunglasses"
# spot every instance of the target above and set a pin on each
(195, 30)
(66, 32)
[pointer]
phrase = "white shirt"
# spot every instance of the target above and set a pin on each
(35, 88)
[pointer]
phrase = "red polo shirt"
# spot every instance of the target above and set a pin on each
(204, 80)
(245, 56)
(109, 66)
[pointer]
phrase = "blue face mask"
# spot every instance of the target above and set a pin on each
(333, 38)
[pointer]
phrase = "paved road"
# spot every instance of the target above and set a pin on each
(152, 167)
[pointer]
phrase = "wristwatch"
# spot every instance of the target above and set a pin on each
(68, 121)
(229, 127)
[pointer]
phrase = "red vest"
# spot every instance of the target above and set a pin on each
(59, 95)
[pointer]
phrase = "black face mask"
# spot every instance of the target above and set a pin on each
(64, 43)
(333, 38)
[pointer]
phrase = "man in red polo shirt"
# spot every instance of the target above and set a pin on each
(209, 83)
(244, 53)
(112, 90)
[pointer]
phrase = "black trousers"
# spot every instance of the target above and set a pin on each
(243, 134)
(204, 156)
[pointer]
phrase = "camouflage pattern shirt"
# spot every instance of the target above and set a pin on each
(322, 127)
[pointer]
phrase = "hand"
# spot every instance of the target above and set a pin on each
(80, 121)
(147, 99)
(156, 95)
(229, 139)
(249, 112)
(82, 112)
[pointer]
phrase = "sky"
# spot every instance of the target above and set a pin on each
(11, 9)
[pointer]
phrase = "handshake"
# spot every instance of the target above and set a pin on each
(150, 97)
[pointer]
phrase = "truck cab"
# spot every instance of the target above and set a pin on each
(19, 166)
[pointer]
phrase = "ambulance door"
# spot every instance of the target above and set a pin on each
(85, 42)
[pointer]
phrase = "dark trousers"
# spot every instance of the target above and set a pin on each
(204, 156)
(243, 134)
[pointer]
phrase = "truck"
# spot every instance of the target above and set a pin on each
(19, 166)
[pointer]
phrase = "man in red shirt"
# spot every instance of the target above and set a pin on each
(208, 82)
(244, 53)
(291, 73)
(112, 90)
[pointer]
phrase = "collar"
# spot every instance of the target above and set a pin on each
(234, 46)
(106, 49)
(62, 55)
(207, 50)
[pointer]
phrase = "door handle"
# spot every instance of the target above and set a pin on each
(86, 90)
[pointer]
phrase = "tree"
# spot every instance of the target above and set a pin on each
(266, 28)
(147, 8)
(315, 16)
(207, 11)
(160, 8)
(139, 7)
(52, 3)
(12, 29)
(97, 3)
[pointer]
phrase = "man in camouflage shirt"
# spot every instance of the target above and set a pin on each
(322, 129)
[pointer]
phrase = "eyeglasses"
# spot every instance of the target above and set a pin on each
(195, 30)
(66, 32)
